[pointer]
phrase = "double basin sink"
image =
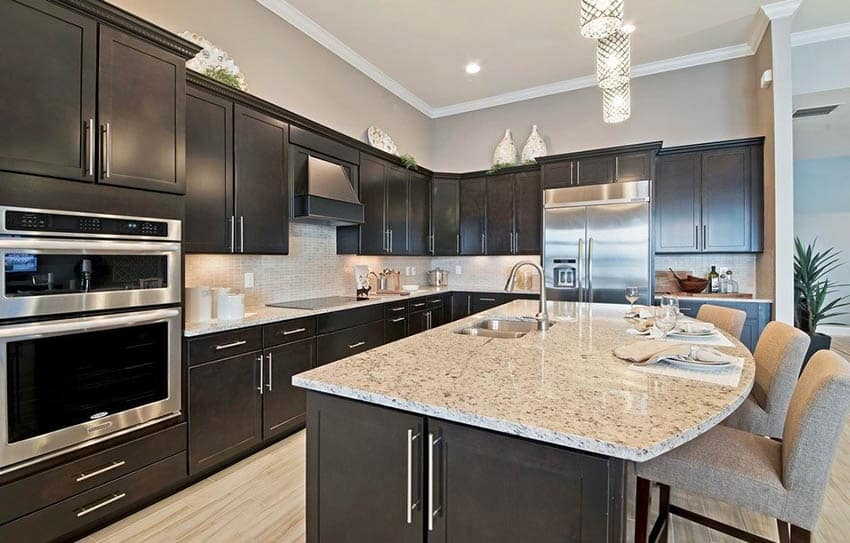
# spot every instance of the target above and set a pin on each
(500, 327)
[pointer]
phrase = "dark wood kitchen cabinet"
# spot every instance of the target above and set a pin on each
(373, 232)
(284, 405)
(499, 215)
(473, 205)
(513, 213)
(396, 210)
(141, 109)
(600, 166)
(419, 240)
(528, 208)
(445, 215)
(709, 198)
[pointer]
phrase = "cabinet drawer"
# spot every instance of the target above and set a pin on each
(331, 322)
(93, 506)
(395, 328)
(31, 493)
(483, 302)
(434, 302)
(349, 342)
(225, 345)
(395, 309)
(419, 304)
(289, 331)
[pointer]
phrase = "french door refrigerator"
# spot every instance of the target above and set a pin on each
(596, 242)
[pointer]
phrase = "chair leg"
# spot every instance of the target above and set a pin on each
(643, 496)
(664, 511)
(784, 531)
(799, 535)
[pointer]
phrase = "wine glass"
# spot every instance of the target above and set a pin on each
(632, 295)
(670, 301)
(665, 318)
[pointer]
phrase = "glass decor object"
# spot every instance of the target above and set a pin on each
(600, 18)
(616, 104)
(214, 62)
(613, 60)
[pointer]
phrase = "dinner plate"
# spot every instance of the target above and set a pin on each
(682, 333)
(695, 364)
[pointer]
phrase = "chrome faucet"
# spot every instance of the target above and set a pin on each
(542, 316)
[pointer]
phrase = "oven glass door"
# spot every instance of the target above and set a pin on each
(64, 384)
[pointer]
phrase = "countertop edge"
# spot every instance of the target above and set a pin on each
(717, 299)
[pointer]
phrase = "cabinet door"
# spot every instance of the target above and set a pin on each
(262, 204)
(461, 306)
(558, 174)
(417, 322)
(634, 167)
(47, 110)
(364, 462)
(419, 213)
(494, 488)
(396, 209)
(726, 200)
(395, 329)
(209, 225)
(472, 211)
(284, 405)
(445, 209)
(224, 410)
(373, 232)
(142, 110)
(500, 214)
(596, 170)
(528, 205)
(677, 204)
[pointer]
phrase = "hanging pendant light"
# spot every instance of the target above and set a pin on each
(614, 60)
(600, 18)
(616, 104)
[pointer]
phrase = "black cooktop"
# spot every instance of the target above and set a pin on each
(318, 303)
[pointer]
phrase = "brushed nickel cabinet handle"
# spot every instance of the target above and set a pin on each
(435, 301)
(696, 236)
(704, 237)
(241, 234)
(106, 149)
(358, 344)
(100, 471)
(397, 320)
(90, 147)
(269, 381)
(432, 512)
(419, 304)
(232, 233)
(92, 508)
(487, 299)
(410, 506)
(483, 250)
(296, 331)
(262, 378)
(396, 309)
(230, 345)
(391, 240)
(458, 244)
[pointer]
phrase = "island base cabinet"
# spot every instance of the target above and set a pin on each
(378, 474)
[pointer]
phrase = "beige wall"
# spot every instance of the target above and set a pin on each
(704, 103)
(764, 107)
(286, 67)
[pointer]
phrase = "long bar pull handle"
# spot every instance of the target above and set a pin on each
(397, 320)
(90, 147)
(296, 331)
(487, 299)
(232, 233)
(100, 471)
(411, 437)
(269, 380)
(590, 270)
(358, 344)
(391, 240)
(92, 508)
(704, 237)
(241, 234)
(696, 236)
(260, 362)
(106, 149)
(458, 244)
(230, 345)
(483, 249)
(580, 270)
(432, 512)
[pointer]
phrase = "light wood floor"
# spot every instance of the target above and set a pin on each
(262, 499)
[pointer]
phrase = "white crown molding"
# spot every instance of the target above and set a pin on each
(781, 10)
(308, 26)
(817, 35)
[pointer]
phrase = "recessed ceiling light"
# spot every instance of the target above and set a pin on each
(628, 28)
(473, 68)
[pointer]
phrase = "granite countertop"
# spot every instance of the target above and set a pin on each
(706, 297)
(267, 315)
(563, 386)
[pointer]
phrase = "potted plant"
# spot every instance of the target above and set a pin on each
(814, 293)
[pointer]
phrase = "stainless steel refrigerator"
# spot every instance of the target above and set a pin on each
(596, 242)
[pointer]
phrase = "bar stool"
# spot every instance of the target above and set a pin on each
(785, 480)
(727, 319)
(779, 357)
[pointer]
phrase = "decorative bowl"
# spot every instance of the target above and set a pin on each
(410, 288)
(692, 285)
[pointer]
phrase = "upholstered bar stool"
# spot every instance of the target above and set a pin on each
(727, 319)
(784, 480)
(779, 357)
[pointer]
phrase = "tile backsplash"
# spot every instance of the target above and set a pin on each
(743, 266)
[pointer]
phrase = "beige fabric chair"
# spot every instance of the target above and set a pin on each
(785, 480)
(727, 319)
(779, 357)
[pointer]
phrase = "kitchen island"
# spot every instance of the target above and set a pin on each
(449, 437)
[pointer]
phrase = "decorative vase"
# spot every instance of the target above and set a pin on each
(505, 152)
(534, 147)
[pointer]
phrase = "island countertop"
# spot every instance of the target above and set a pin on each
(563, 387)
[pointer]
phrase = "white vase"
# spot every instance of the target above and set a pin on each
(534, 147)
(505, 152)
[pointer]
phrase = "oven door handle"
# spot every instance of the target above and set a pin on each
(85, 324)
(79, 246)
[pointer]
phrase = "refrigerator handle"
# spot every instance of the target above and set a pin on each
(580, 270)
(590, 270)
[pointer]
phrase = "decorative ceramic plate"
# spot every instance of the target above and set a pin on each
(695, 364)
(380, 139)
(215, 62)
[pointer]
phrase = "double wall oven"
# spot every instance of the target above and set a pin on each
(90, 329)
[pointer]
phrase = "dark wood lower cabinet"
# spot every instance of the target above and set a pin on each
(348, 342)
(368, 480)
(483, 302)
(395, 329)
(284, 405)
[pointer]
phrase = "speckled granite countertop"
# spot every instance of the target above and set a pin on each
(267, 315)
(563, 387)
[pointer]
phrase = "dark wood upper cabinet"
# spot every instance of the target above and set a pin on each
(634, 166)
(445, 216)
(373, 233)
(419, 213)
(726, 200)
(261, 195)
(500, 214)
(396, 210)
(677, 204)
(47, 110)
(209, 174)
(528, 206)
(285, 405)
(141, 111)
(473, 193)
(556, 175)
(596, 170)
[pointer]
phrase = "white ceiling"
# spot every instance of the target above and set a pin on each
(418, 49)
(827, 135)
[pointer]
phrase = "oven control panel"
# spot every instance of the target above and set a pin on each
(83, 224)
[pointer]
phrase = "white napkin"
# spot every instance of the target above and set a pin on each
(695, 327)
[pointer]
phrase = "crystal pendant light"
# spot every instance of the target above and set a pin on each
(599, 18)
(616, 104)
(613, 60)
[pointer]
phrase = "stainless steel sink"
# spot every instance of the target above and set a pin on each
(503, 328)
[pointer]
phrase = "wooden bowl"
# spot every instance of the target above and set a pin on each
(692, 285)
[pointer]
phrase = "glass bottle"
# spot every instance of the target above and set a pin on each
(732, 284)
(713, 281)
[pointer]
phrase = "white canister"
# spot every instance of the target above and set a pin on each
(217, 292)
(231, 307)
(198, 304)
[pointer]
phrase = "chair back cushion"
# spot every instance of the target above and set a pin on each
(816, 419)
(727, 319)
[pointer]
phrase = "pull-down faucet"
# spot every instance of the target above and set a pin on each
(542, 316)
